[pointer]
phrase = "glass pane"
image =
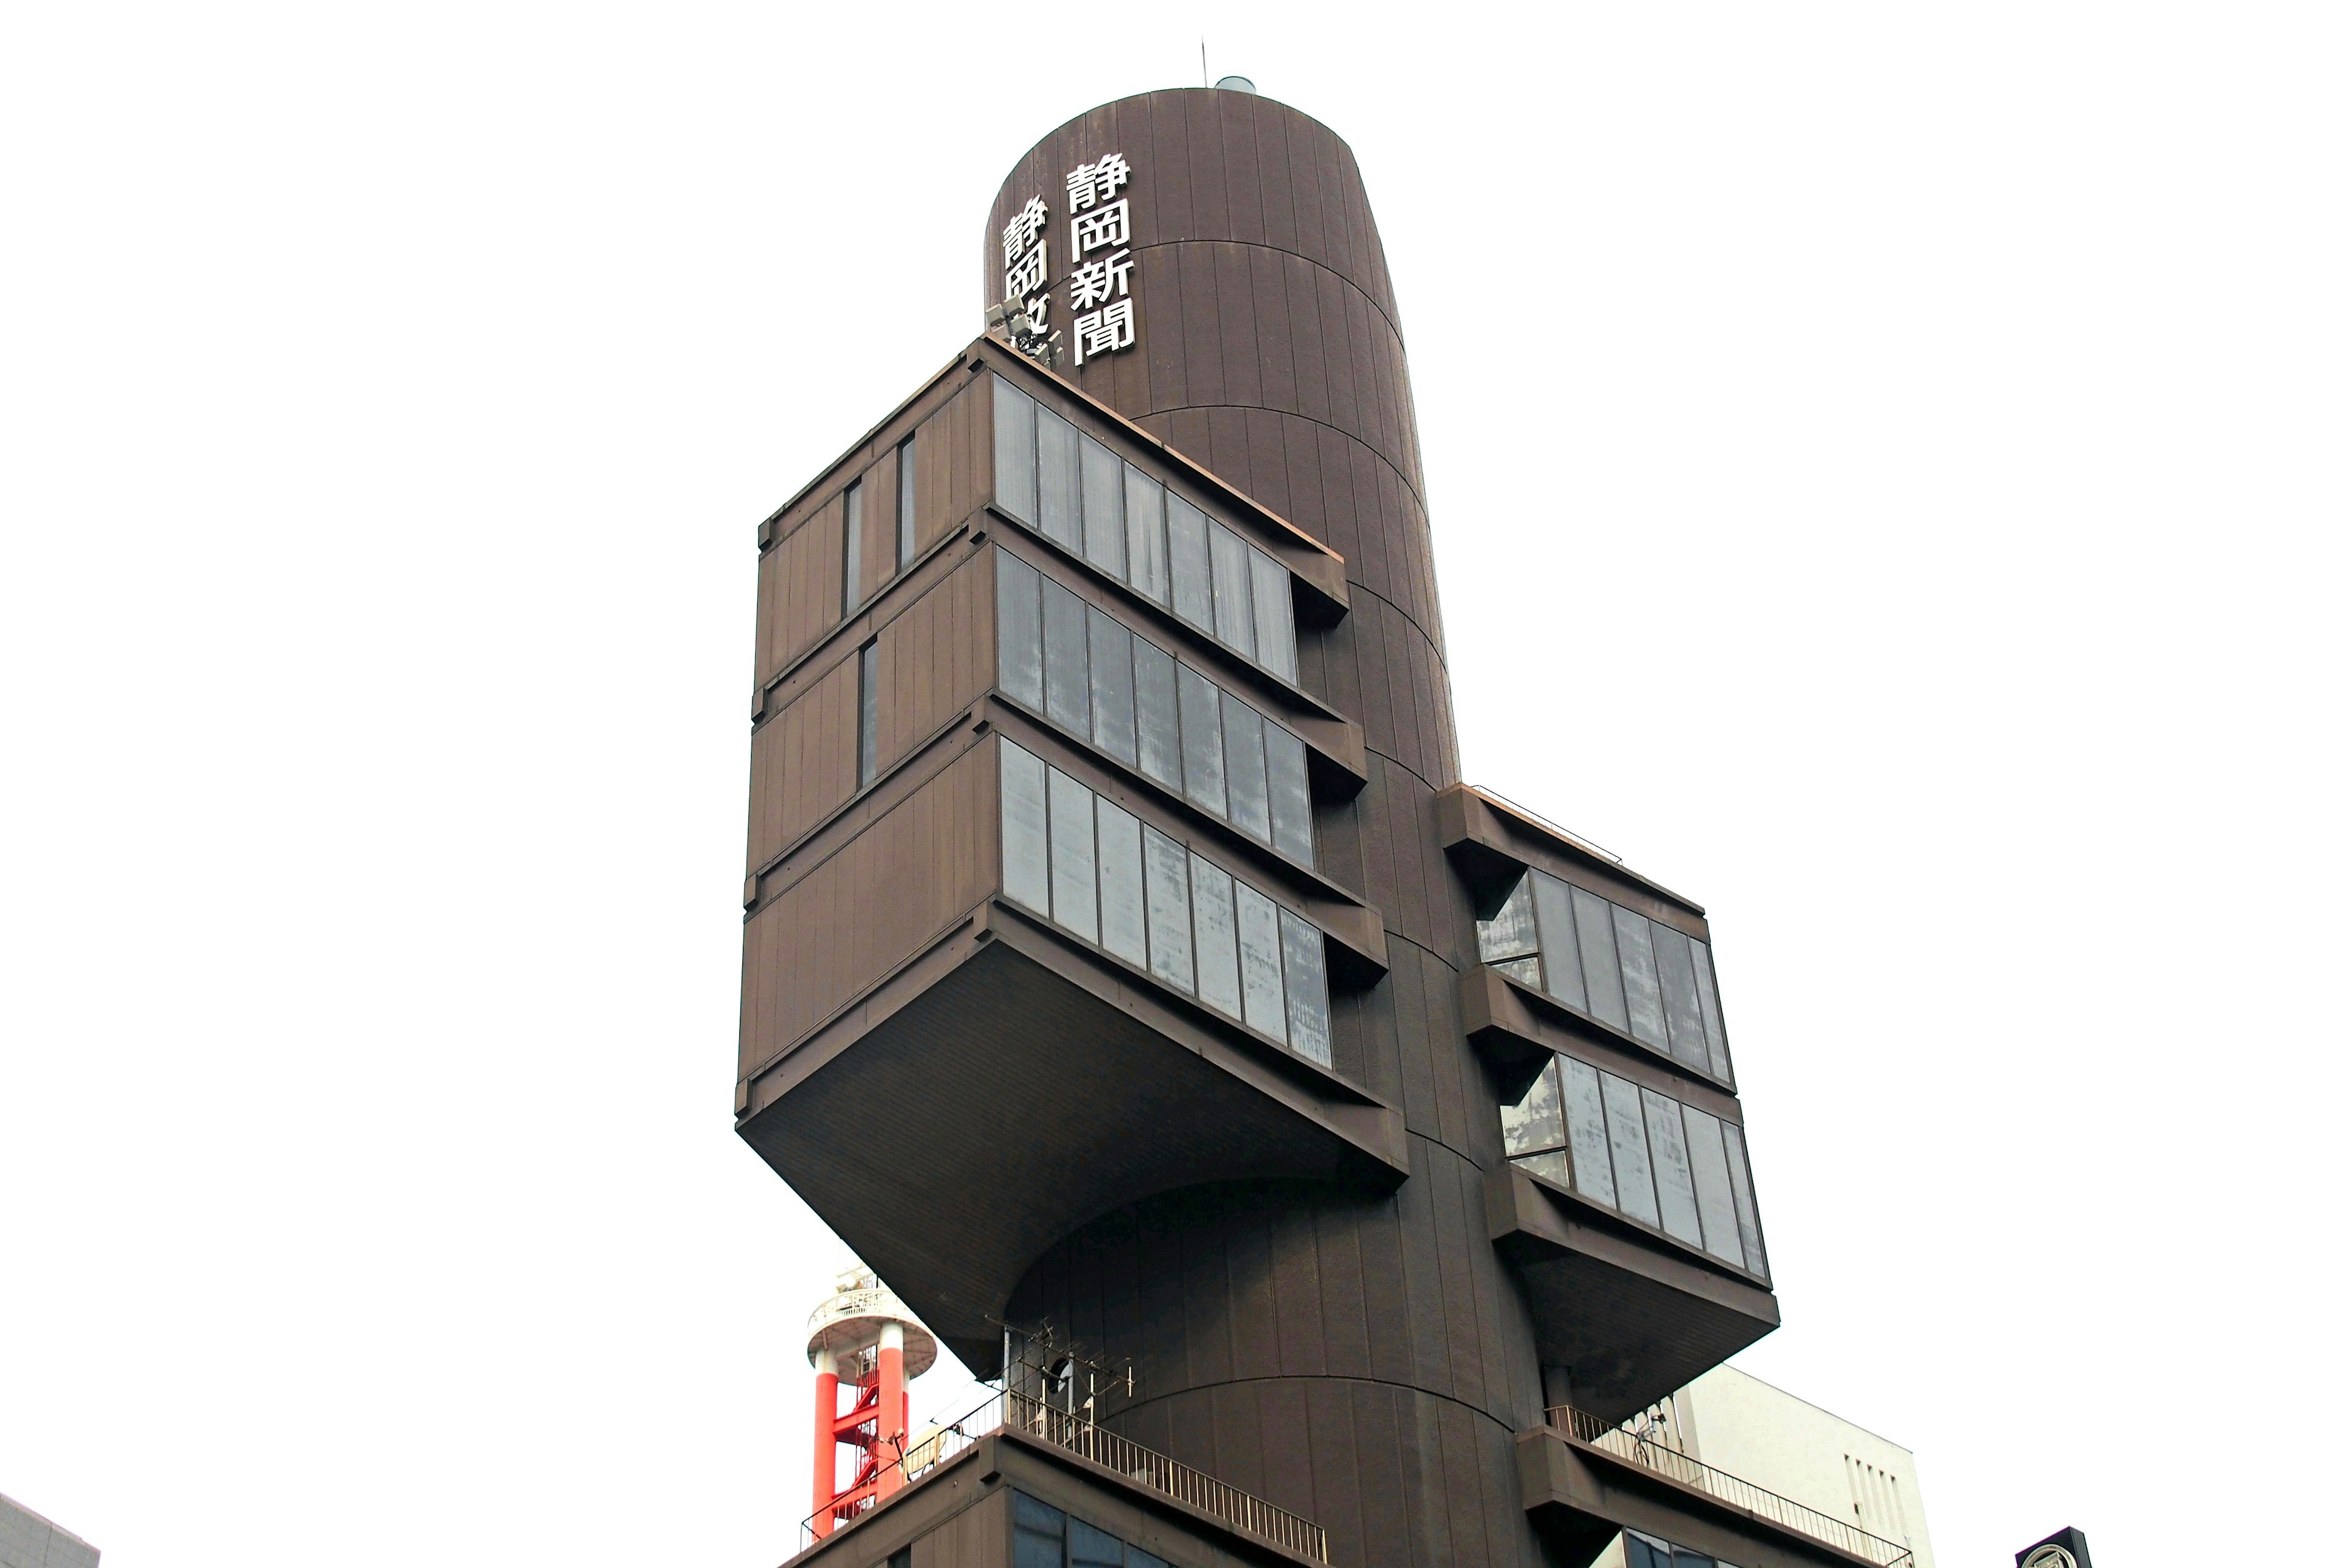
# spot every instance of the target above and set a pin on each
(1710, 1012)
(1245, 804)
(1118, 846)
(1678, 991)
(1277, 637)
(1138, 1558)
(1556, 931)
(1743, 1198)
(1596, 945)
(1092, 1548)
(1106, 528)
(1017, 451)
(1022, 784)
(1535, 1121)
(906, 500)
(1020, 648)
(853, 546)
(1212, 937)
(1058, 479)
(1229, 585)
(1286, 793)
(1111, 678)
(1644, 1011)
(1188, 563)
(1159, 747)
(1305, 989)
(1065, 659)
(1168, 908)
(1641, 1551)
(1629, 1150)
(1205, 739)
(1711, 1177)
(1512, 932)
(1037, 1532)
(1527, 971)
(1070, 810)
(1551, 1165)
(869, 710)
(1588, 1131)
(1147, 536)
(1261, 935)
(1670, 1163)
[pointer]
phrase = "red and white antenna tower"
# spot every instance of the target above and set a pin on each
(864, 1339)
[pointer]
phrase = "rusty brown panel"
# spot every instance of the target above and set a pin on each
(1236, 325)
(1270, 302)
(1156, 280)
(1237, 115)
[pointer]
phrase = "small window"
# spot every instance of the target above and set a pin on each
(1017, 451)
(853, 530)
(906, 501)
(869, 710)
(1019, 646)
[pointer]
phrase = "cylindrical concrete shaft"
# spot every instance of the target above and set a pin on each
(1361, 1359)
(825, 1455)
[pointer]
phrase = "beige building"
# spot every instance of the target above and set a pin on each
(1744, 1426)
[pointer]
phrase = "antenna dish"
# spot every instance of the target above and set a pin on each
(1237, 84)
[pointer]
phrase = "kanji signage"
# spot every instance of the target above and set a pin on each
(1102, 303)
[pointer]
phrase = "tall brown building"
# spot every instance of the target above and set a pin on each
(1105, 786)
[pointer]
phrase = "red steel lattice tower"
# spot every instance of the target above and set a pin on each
(862, 1338)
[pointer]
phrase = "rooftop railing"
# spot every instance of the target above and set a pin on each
(1652, 1454)
(1016, 1412)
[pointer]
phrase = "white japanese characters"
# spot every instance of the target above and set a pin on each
(1100, 298)
(1027, 269)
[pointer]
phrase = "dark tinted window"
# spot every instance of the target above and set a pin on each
(1017, 451)
(1058, 479)
(1020, 641)
(906, 500)
(1067, 702)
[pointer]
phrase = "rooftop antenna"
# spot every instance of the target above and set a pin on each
(1205, 61)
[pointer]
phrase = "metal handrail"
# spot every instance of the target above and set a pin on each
(1642, 1449)
(1014, 1412)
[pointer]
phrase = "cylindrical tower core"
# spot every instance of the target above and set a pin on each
(1363, 1360)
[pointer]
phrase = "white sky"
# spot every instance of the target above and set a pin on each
(1943, 418)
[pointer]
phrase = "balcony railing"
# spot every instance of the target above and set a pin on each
(1014, 1412)
(1654, 1455)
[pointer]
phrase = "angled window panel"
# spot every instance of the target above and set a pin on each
(1710, 1011)
(1022, 795)
(1190, 595)
(1068, 702)
(1039, 1533)
(1205, 739)
(1112, 681)
(1017, 451)
(1743, 1198)
(1670, 1163)
(1246, 802)
(1217, 957)
(1020, 638)
(1070, 822)
(1259, 924)
(1168, 908)
(1159, 735)
(1105, 519)
(1644, 1011)
(1563, 973)
(1718, 1217)
(1306, 989)
(1596, 943)
(1512, 932)
(1678, 992)
(1229, 585)
(1588, 1131)
(1092, 1548)
(1277, 630)
(869, 713)
(1147, 537)
(1118, 848)
(1288, 801)
(1058, 481)
(1629, 1150)
(1535, 1122)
